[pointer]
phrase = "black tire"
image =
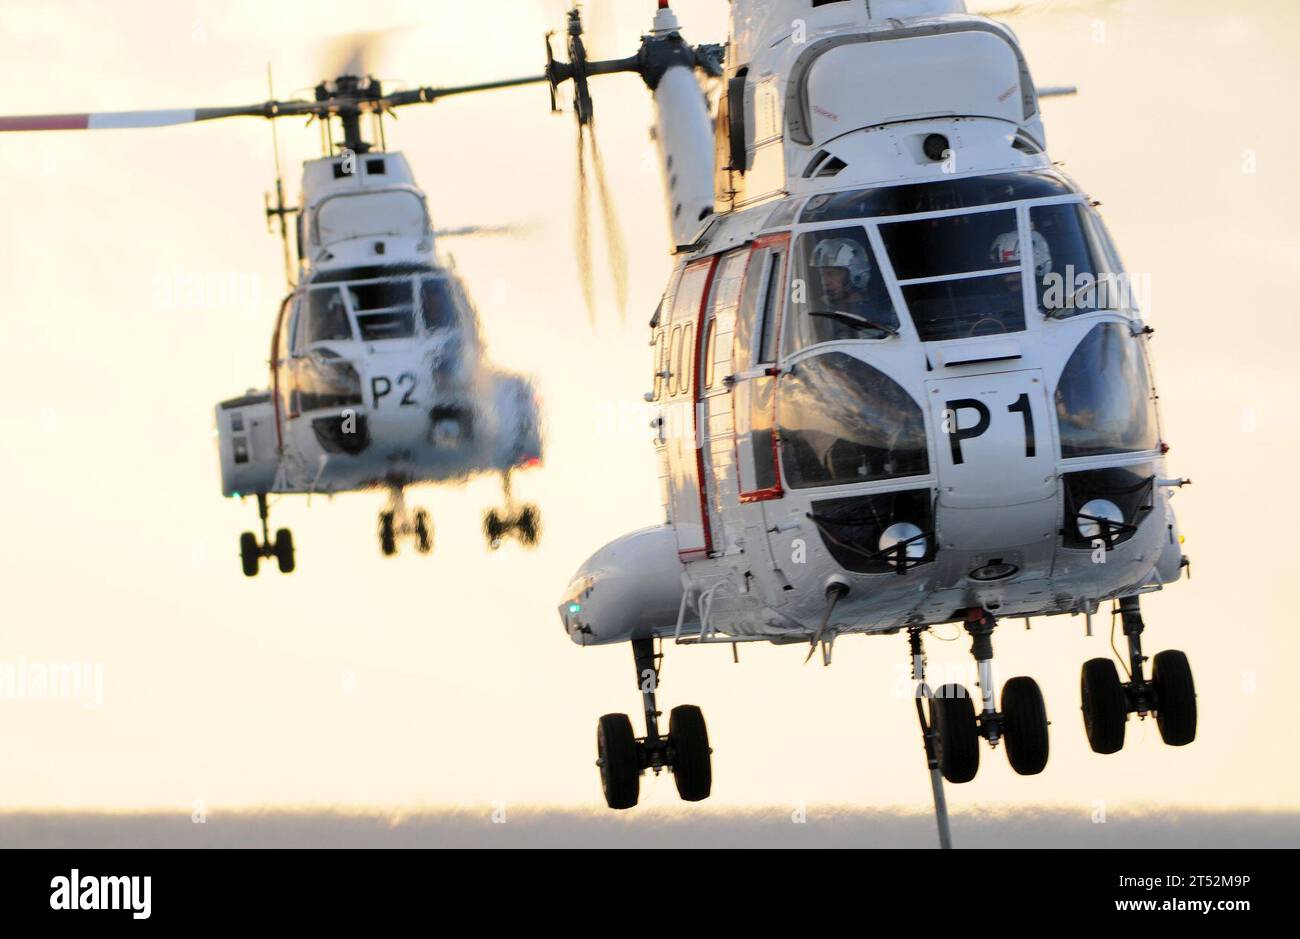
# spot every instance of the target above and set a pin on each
(284, 550)
(423, 532)
(387, 534)
(493, 528)
(952, 714)
(250, 554)
(1105, 706)
(529, 525)
(1024, 724)
(619, 762)
(692, 765)
(1175, 698)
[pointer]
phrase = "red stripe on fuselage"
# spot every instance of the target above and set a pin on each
(46, 122)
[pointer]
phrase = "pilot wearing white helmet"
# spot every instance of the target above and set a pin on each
(1006, 250)
(844, 269)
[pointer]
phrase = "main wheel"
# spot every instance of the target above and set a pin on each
(952, 714)
(423, 532)
(250, 554)
(689, 739)
(1024, 725)
(387, 534)
(1175, 698)
(493, 528)
(1105, 706)
(284, 550)
(620, 765)
(529, 524)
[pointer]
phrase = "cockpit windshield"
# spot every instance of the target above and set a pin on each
(385, 309)
(378, 308)
(961, 270)
(960, 274)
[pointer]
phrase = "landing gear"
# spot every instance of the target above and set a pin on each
(623, 757)
(1022, 722)
(251, 551)
(952, 715)
(1170, 693)
(395, 522)
(526, 523)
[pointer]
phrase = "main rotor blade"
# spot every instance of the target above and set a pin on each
(428, 94)
(119, 120)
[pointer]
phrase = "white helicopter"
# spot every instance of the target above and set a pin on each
(898, 380)
(378, 377)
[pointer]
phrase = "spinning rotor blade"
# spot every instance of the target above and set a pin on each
(476, 230)
(355, 53)
(329, 103)
(114, 120)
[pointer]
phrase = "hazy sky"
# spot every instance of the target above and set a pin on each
(448, 680)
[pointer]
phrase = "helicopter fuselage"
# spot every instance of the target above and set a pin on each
(863, 387)
(378, 377)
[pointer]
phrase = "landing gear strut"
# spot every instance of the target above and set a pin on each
(1022, 722)
(1170, 693)
(395, 522)
(251, 551)
(526, 523)
(622, 757)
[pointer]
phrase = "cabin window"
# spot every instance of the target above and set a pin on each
(1072, 271)
(755, 393)
(759, 261)
(674, 360)
(842, 421)
(659, 365)
(960, 275)
(1104, 402)
(837, 291)
(771, 311)
(710, 340)
(685, 367)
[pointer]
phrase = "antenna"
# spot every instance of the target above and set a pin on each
(279, 210)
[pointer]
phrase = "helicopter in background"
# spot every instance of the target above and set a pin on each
(898, 380)
(378, 372)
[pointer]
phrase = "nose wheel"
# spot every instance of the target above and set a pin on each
(1170, 693)
(252, 551)
(526, 525)
(622, 757)
(396, 523)
(1021, 723)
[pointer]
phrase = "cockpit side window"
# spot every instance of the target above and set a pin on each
(438, 303)
(837, 291)
(1072, 270)
(960, 274)
(325, 317)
